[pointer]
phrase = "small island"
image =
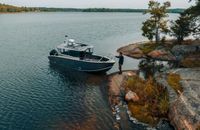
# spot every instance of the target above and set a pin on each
(166, 86)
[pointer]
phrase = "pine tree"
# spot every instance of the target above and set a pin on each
(156, 24)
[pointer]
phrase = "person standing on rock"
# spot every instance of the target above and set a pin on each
(121, 61)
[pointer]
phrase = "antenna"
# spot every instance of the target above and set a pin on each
(66, 39)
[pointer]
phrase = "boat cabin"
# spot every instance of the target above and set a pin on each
(74, 49)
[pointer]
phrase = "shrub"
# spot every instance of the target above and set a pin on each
(153, 103)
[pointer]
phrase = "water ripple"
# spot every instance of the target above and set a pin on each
(37, 96)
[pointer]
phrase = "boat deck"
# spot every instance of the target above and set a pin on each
(87, 58)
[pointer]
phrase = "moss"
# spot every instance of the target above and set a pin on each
(174, 81)
(153, 103)
(141, 113)
(148, 47)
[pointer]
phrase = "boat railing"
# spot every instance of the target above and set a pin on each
(101, 58)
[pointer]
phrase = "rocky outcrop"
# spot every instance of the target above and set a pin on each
(161, 79)
(185, 49)
(132, 50)
(184, 111)
(135, 51)
(161, 55)
(160, 52)
(191, 61)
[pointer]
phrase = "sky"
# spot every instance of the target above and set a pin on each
(93, 3)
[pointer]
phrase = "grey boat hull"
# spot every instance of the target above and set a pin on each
(81, 65)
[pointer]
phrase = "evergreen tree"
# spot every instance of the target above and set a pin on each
(181, 28)
(156, 24)
(194, 11)
(188, 23)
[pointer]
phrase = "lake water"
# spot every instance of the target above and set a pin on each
(37, 96)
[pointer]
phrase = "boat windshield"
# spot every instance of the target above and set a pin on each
(89, 50)
(75, 53)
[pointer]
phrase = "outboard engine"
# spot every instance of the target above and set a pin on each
(53, 52)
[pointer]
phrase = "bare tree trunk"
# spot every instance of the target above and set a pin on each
(157, 35)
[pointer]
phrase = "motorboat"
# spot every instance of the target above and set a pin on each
(80, 57)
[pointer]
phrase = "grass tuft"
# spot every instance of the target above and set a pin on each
(174, 81)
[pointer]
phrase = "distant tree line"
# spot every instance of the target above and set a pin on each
(112, 10)
(10, 8)
(127, 10)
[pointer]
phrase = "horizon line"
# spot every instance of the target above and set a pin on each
(81, 7)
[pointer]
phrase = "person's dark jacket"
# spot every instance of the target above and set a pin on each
(121, 59)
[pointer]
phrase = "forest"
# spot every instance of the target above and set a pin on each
(4, 8)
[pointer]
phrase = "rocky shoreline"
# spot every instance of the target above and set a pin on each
(184, 110)
(120, 110)
(116, 93)
(184, 106)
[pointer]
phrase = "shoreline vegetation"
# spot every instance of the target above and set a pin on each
(154, 98)
(153, 101)
(160, 86)
(4, 8)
